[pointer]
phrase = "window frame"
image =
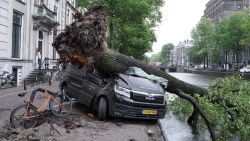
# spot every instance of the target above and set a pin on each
(17, 25)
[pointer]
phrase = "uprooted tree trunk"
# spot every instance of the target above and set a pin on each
(115, 62)
(84, 42)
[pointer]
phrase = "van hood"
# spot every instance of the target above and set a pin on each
(137, 83)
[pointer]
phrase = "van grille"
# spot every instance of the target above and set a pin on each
(149, 99)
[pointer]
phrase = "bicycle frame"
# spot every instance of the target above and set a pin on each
(47, 98)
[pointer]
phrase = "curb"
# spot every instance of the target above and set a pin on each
(162, 131)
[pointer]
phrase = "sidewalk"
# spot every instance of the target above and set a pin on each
(14, 90)
(10, 100)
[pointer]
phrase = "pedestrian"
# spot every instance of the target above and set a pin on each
(39, 59)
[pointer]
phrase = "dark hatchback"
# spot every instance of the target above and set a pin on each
(133, 94)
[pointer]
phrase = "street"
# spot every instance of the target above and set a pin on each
(174, 129)
(87, 128)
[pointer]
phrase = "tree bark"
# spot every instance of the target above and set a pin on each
(197, 108)
(204, 61)
(114, 62)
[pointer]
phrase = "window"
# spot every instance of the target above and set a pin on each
(67, 17)
(41, 2)
(21, 1)
(40, 36)
(72, 17)
(55, 10)
(16, 35)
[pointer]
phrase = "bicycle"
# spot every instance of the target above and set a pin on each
(26, 115)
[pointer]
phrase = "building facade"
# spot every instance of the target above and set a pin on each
(27, 30)
(217, 10)
(178, 56)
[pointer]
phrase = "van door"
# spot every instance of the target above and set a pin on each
(78, 86)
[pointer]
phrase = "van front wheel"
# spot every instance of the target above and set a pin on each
(102, 109)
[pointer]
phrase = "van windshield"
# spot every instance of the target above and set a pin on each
(135, 71)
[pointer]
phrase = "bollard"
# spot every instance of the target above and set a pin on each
(24, 85)
(49, 80)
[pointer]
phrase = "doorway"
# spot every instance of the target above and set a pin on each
(40, 49)
(14, 72)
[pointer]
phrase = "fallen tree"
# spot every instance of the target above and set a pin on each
(84, 43)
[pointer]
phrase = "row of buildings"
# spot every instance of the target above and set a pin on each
(27, 31)
(178, 56)
(216, 10)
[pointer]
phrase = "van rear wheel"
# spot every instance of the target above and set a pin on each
(102, 109)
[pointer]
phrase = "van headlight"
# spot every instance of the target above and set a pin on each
(122, 91)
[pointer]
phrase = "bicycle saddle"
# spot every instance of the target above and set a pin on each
(21, 94)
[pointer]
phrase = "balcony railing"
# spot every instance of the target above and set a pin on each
(45, 14)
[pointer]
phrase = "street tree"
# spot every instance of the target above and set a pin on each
(164, 55)
(203, 37)
(245, 42)
(165, 52)
(236, 32)
(194, 56)
(156, 57)
(222, 37)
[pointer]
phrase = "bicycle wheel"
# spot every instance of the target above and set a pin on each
(19, 120)
(60, 105)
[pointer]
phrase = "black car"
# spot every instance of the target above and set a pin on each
(132, 94)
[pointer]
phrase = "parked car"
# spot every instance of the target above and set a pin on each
(133, 94)
(197, 67)
(245, 69)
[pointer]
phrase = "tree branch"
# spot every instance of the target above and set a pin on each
(195, 104)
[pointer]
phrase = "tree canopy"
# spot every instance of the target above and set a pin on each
(203, 36)
(164, 55)
(165, 52)
(131, 24)
(213, 39)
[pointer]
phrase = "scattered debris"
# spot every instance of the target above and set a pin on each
(89, 117)
(150, 133)
(118, 124)
(53, 130)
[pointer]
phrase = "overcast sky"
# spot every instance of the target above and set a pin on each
(179, 18)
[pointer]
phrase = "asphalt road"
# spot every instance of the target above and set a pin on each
(91, 130)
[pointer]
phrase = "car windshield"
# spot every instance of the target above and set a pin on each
(134, 71)
(137, 72)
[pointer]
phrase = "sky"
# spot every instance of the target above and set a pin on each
(179, 17)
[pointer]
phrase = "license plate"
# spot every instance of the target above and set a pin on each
(149, 112)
